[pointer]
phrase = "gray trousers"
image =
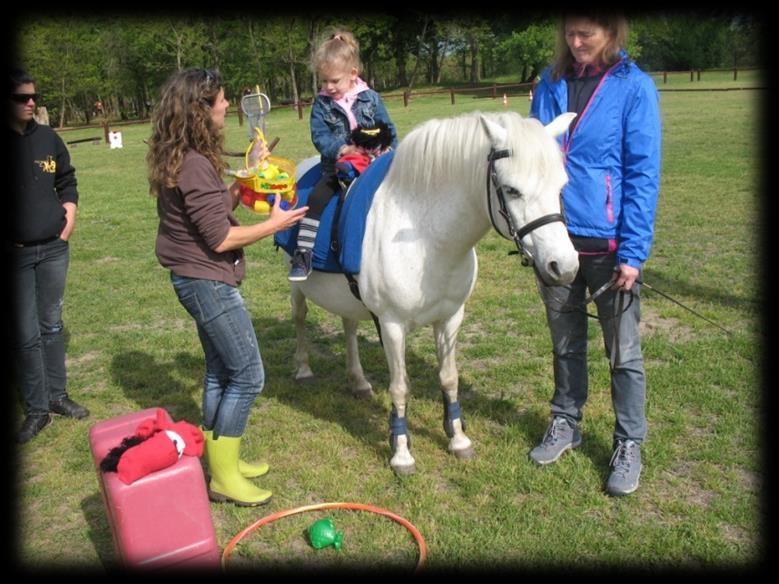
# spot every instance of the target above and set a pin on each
(568, 327)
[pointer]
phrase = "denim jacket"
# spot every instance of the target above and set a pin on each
(330, 126)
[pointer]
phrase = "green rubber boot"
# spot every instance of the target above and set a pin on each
(250, 470)
(227, 483)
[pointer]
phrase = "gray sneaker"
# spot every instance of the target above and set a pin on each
(561, 435)
(625, 468)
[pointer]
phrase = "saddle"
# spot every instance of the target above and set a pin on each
(338, 244)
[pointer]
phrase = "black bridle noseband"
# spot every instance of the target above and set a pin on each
(513, 233)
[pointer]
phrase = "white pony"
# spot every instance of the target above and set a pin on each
(418, 259)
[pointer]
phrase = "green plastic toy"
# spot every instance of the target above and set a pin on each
(322, 534)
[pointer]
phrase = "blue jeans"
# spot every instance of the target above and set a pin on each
(38, 276)
(569, 340)
(234, 370)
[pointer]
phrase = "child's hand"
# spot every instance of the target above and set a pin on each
(351, 149)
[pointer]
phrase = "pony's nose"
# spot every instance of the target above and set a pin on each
(554, 269)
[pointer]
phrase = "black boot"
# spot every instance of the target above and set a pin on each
(32, 424)
(68, 408)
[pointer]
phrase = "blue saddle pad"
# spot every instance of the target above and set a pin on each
(352, 220)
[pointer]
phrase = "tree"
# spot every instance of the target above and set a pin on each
(528, 51)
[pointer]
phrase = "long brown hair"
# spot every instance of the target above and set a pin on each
(616, 27)
(181, 121)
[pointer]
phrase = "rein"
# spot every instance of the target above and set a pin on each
(513, 233)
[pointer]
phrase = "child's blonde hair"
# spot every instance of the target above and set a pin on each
(339, 49)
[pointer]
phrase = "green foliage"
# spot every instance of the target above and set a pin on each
(123, 61)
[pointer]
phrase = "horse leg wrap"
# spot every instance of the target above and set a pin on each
(398, 427)
(451, 413)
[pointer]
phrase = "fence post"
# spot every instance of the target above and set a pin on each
(699, 75)
(691, 74)
(405, 98)
(105, 130)
(451, 93)
(665, 77)
(300, 109)
(239, 109)
(735, 73)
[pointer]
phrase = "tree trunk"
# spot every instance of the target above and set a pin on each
(473, 43)
(62, 105)
(418, 53)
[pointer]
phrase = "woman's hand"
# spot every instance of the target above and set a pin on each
(624, 277)
(284, 219)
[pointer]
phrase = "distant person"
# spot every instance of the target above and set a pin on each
(42, 217)
(344, 103)
(200, 241)
(612, 157)
(98, 108)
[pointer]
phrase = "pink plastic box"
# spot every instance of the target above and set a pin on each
(163, 519)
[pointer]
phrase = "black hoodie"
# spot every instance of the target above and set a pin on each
(43, 179)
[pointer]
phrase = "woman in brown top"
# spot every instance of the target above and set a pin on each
(200, 241)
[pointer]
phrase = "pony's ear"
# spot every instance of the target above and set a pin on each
(560, 124)
(497, 133)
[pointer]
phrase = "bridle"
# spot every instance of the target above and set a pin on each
(513, 233)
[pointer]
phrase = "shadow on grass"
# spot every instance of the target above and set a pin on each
(328, 397)
(676, 288)
(94, 512)
(149, 382)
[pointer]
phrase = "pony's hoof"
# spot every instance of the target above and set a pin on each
(404, 469)
(363, 393)
(465, 453)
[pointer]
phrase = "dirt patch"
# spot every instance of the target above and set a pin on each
(654, 324)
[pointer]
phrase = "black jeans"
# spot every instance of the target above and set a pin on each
(323, 191)
(38, 275)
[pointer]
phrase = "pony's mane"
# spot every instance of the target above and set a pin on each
(455, 150)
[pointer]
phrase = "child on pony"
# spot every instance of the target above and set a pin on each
(344, 104)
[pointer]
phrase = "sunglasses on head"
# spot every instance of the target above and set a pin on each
(24, 97)
(209, 76)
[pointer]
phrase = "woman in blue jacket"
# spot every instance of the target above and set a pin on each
(612, 156)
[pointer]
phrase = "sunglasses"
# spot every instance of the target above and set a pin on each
(24, 97)
(209, 76)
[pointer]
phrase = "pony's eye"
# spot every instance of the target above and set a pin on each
(511, 191)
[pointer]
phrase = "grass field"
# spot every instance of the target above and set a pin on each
(130, 346)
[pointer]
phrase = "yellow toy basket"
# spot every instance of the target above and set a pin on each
(275, 176)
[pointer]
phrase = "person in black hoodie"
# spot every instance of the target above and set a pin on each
(44, 199)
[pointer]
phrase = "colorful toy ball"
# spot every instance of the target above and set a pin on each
(322, 533)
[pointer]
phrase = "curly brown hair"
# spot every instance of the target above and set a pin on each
(181, 121)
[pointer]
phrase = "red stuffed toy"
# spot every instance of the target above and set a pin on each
(156, 444)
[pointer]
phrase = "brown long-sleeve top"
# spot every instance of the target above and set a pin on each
(194, 219)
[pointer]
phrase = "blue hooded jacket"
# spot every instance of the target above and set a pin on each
(612, 157)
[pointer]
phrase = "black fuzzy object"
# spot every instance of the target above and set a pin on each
(376, 138)
(111, 460)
